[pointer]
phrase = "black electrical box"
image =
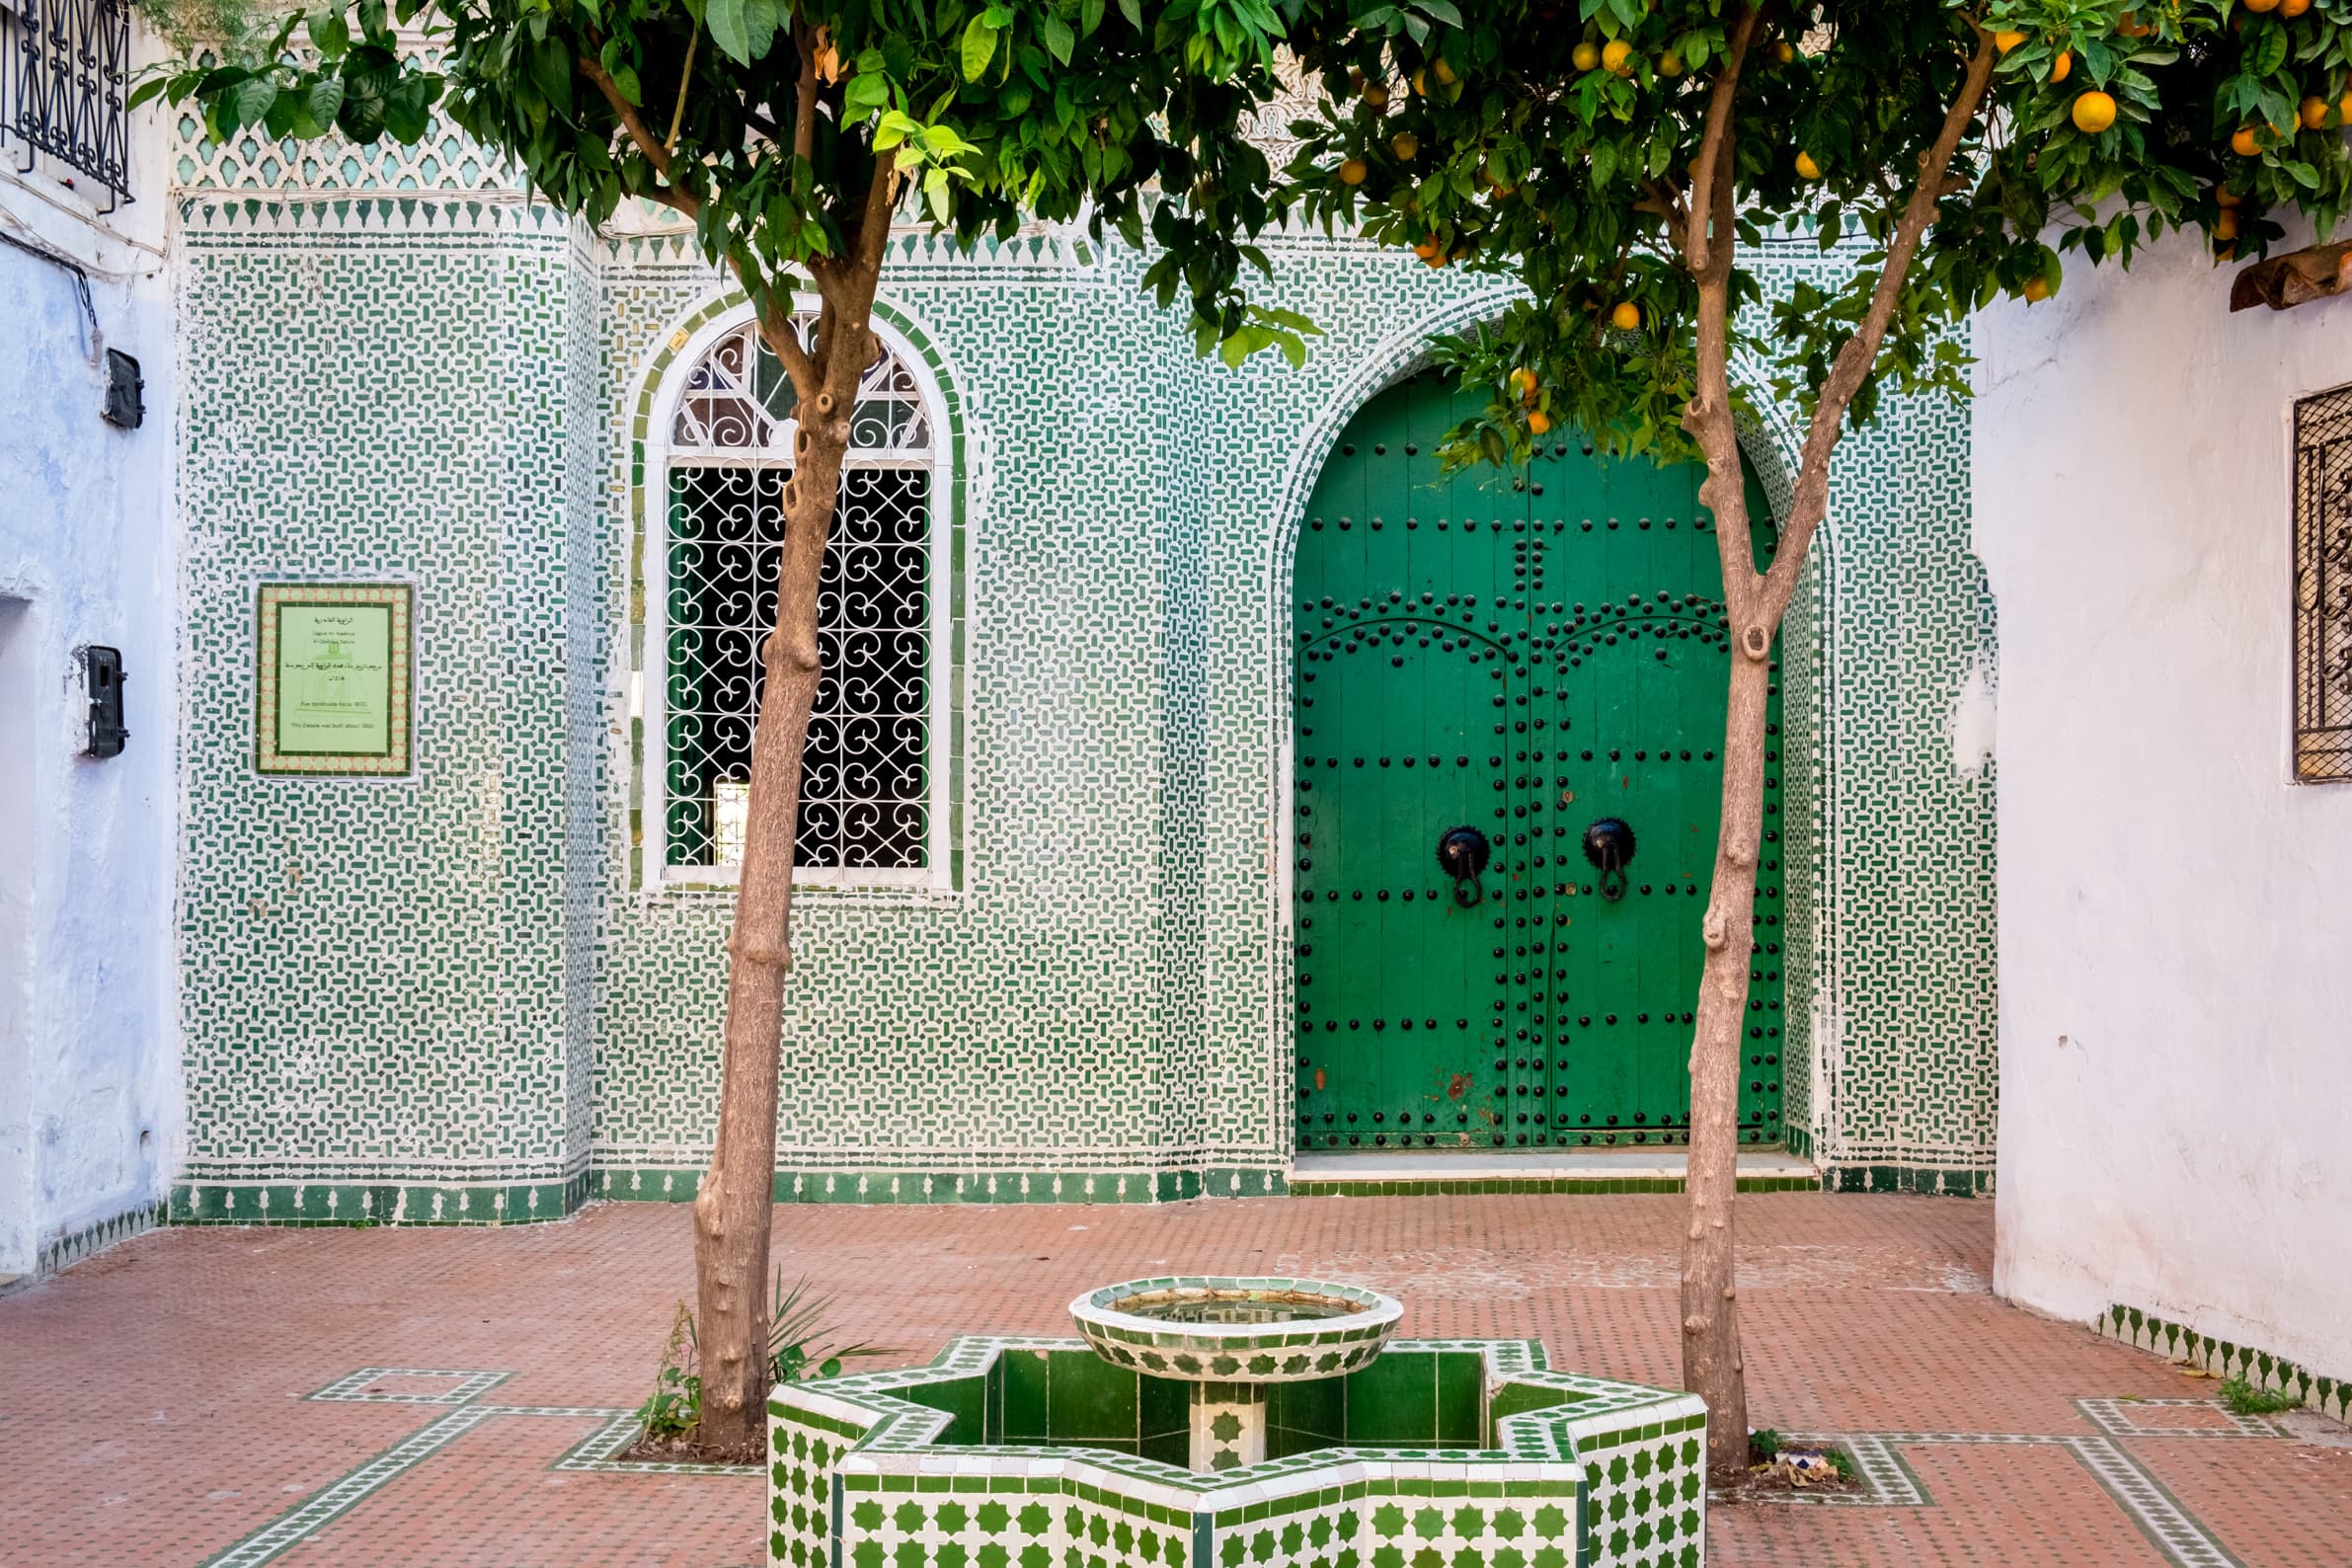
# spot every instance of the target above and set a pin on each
(102, 669)
(126, 403)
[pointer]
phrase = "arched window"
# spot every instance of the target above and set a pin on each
(870, 812)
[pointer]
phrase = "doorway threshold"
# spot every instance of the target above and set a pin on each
(1567, 1170)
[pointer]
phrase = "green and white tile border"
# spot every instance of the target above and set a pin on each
(593, 1453)
(2177, 1342)
(1886, 1478)
(1888, 1482)
(62, 1252)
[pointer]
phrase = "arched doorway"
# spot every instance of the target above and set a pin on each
(1490, 669)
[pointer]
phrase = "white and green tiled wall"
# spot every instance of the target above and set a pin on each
(450, 998)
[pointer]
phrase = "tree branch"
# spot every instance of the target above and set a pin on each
(775, 330)
(1698, 248)
(1660, 198)
(804, 111)
(655, 154)
(1860, 353)
(685, 80)
(2294, 278)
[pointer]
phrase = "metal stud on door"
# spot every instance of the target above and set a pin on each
(1471, 695)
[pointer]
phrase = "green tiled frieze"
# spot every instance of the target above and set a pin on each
(2179, 1342)
(459, 985)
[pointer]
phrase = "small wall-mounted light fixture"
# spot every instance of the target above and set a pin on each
(102, 672)
(125, 404)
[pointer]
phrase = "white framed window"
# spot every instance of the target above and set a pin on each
(874, 810)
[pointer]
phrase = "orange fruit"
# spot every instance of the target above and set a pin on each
(1616, 57)
(1784, 52)
(2227, 199)
(1375, 95)
(1353, 170)
(1586, 55)
(1670, 64)
(1443, 72)
(1539, 420)
(2293, 7)
(1626, 317)
(2225, 227)
(2093, 111)
(2005, 42)
(2131, 27)
(2315, 113)
(1428, 248)
(1405, 145)
(1421, 83)
(2036, 290)
(2245, 143)
(1807, 169)
(2062, 65)
(1522, 381)
(2261, 6)
(2343, 107)
(1436, 262)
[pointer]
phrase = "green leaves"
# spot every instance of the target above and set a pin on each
(981, 36)
(745, 29)
(330, 33)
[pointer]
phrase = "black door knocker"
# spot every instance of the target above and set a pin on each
(1608, 845)
(1463, 854)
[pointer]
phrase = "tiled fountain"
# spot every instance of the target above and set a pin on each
(1234, 1423)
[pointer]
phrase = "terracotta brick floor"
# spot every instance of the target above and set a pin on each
(152, 1410)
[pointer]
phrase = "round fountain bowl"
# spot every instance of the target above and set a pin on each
(1215, 1329)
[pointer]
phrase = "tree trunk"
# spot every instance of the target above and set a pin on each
(1712, 1361)
(731, 1210)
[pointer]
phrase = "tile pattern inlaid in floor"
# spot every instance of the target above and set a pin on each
(448, 1396)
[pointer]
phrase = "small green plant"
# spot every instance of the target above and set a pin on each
(796, 1354)
(676, 1400)
(1764, 1445)
(1840, 1462)
(2246, 1399)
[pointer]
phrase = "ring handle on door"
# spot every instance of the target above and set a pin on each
(1608, 845)
(1463, 854)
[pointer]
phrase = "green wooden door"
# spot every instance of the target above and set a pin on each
(1523, 658)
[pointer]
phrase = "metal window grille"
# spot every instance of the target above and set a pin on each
(866, 774)
(63, 83)
(2323, 586)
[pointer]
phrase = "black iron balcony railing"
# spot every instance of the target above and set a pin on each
(64, 68)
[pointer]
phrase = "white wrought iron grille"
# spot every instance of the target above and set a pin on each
(2323, 587)
(866, 775)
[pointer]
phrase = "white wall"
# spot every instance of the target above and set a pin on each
(89, 1054)
(2176, 915)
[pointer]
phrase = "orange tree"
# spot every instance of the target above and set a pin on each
(794, 134)
(1615, 155)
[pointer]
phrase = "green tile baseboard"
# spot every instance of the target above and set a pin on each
(2179, 1342)
(1932, 1180)
(62, 1252)
(1440, 1186)
(675, 1184)
(333, 1202)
